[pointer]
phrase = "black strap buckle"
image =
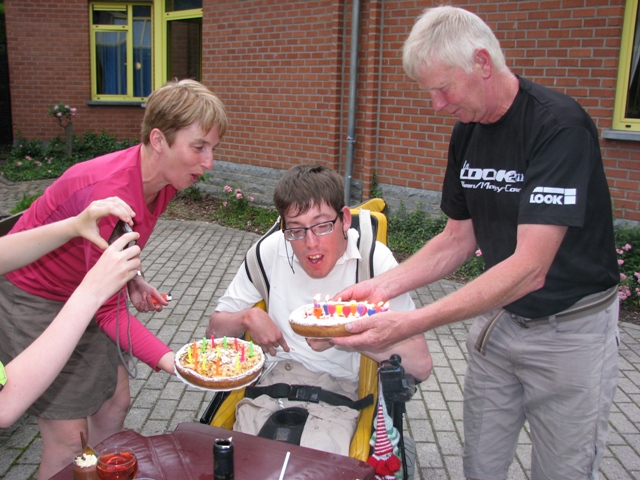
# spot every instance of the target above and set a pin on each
(304, 393)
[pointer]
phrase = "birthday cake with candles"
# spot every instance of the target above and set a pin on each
(328, 319)
(219, 364)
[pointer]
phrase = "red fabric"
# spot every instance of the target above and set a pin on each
(56, 275)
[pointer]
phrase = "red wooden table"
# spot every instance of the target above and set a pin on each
(187, 453)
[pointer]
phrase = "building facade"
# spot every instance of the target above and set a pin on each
(284, 70)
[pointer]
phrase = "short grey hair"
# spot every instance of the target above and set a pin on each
(449, 35)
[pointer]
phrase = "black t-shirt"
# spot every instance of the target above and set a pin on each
(539, 164)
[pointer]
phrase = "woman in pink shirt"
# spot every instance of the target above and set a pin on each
(182, 126)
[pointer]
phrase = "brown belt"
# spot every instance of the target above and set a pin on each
(586, 306)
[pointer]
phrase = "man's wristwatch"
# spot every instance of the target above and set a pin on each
(3, 376)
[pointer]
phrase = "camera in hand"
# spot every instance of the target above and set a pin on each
(121, 229)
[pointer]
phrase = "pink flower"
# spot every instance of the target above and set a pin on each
(627, 247)
(623, 277)
(227, 188)
(251, 199)
(623, 292)
(620, 262)
(238, 196)
(224, 204)
(59, 114)
(73, 111)
(478, 253)
(28, 158)
(55, 107)
(18, 164)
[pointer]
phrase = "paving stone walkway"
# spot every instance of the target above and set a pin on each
(195, 261)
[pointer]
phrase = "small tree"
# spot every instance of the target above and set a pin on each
(63, 113)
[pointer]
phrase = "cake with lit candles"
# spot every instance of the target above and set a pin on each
(327, 319)
(219, 364)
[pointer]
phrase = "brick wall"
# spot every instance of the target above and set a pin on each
(282, 69)
(49, 62)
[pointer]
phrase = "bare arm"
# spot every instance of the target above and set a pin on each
(257, 322)
(22, 248)
(523, 272)
(51, 350)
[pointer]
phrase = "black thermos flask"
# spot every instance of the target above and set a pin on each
(223, 459)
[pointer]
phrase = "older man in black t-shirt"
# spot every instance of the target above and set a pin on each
(525, 183)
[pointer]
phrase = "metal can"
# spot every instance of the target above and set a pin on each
(223, 459)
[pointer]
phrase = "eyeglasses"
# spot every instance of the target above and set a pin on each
(319, 229)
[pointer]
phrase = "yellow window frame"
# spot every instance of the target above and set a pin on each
(160, 51)
(620, 121)
(128, 29)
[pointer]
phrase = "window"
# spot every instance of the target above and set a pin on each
(138, 46)
(121, 51)
(626, 114)
(183, 43)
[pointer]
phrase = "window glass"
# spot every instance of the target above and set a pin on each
(632, 109)
(626, 112)
(141, 51)
(111, 63)
(184, 45)
(178, 5)
(109, 17)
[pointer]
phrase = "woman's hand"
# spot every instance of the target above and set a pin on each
(86, 223)
(142, 294)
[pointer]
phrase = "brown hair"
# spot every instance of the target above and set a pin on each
(179, 104)
(303, 186)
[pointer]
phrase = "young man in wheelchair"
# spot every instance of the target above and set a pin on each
(315, 253)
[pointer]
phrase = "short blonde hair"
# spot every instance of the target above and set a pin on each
(179, 104)
(449, 35)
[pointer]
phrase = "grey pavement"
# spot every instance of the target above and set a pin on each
(195, 261)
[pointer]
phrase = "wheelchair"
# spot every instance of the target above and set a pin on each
(397, 386)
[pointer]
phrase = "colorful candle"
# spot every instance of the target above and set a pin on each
(332, 309)
(361, 309)
(250, 349)
(385, 307)
(237, 363)
(218, 366)
(317, 312)
(235, 344)
(189, 356)
(204, 362)
(372, 310)
(352, 307)
(339, 308)
(224, 342)
(213, 341)
(204, 345)
(316, 301)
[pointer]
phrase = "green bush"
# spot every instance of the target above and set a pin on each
(37, 160)
(628, 250)
(24, 203)
(408, 232)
